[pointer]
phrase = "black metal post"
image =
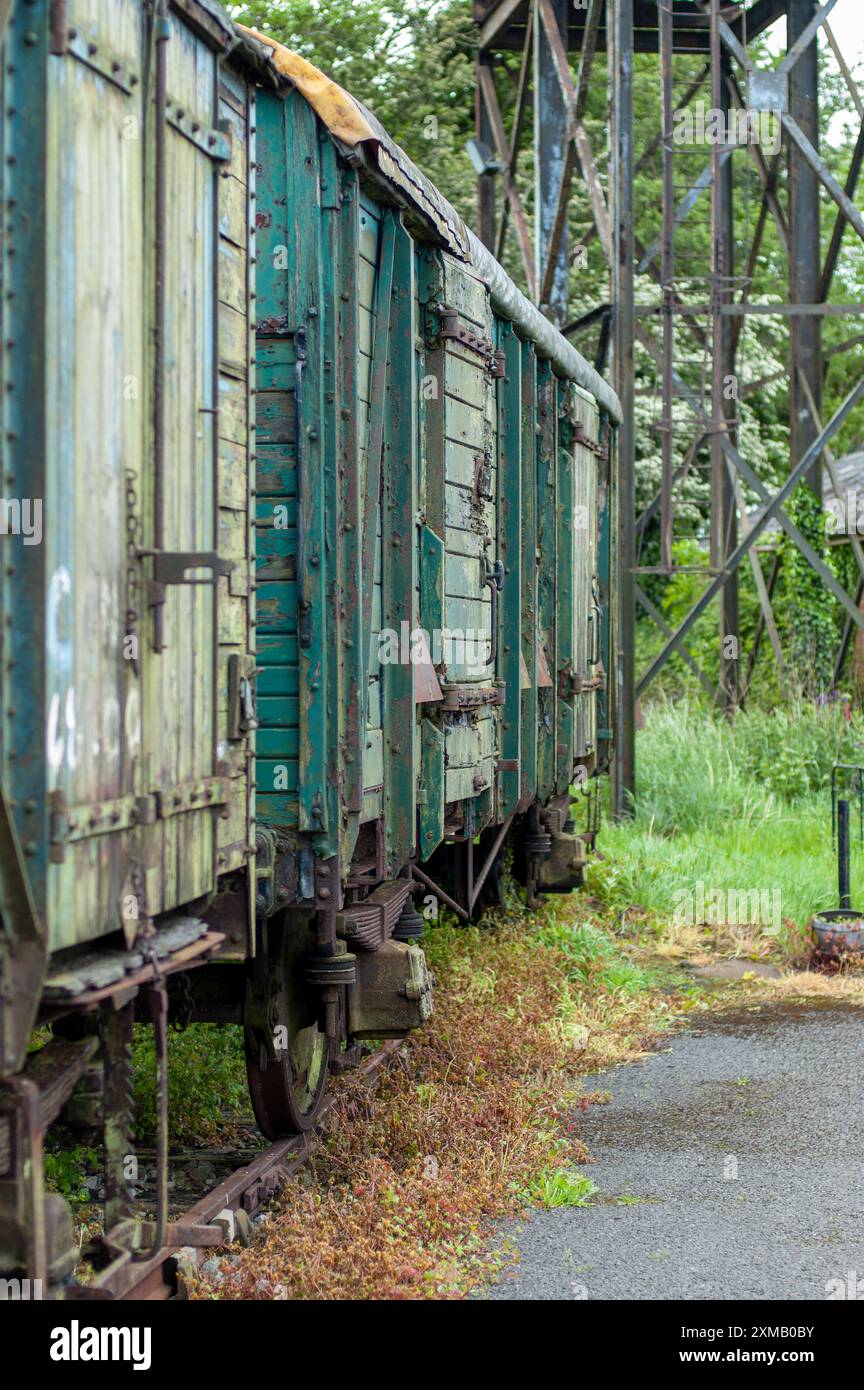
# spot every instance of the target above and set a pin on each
(843, 854)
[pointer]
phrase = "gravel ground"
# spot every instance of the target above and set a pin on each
(737, 1153)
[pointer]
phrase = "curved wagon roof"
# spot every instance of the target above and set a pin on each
(364, 140)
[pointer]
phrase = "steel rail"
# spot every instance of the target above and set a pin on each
(207, 1223)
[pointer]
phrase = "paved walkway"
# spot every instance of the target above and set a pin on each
(742, 1146)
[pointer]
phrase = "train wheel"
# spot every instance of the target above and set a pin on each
(287, 1090)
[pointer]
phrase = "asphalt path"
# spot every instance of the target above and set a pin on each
(728, 1165)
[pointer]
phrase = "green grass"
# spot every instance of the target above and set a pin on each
(206, 1081)
(745, 808)
(66, 1169)
(560, 1187)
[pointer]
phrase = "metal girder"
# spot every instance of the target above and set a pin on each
(753, 480)
(687, 657)
(804, 39)
(500, 25)
(493, 111)
(574, 99)
(844, 68)
(773, 508)
(791, 126)
(516, 136)
(493, 27)
(486, 190)
(586, 56)
(553, 131)
(667, 284)
(840, 224)
(620, 69)
(743, 308)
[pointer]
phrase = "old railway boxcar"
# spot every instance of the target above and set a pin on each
(307, 580)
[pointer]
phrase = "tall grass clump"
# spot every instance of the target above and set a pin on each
(690, 771)
(695, 766)
(743, 806)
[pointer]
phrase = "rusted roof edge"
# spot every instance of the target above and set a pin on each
(360, 136)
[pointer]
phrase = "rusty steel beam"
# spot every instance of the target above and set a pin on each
(499, 140)
(718, 246)
(743, 309)
(516, 135)
(805, 334)
(833, 251)
(805, 36)
(586, 57)
(485, 182)
(820, 168)
(553, 106)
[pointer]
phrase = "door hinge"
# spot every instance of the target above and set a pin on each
(171, 566)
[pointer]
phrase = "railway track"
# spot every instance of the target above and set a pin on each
(218, 1217)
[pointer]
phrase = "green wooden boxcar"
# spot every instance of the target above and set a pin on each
(434, 525)
(308, 580)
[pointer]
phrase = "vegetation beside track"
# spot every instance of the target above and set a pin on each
(478, 1119)
(743, 807)
(473, 1124)
(476, 1122)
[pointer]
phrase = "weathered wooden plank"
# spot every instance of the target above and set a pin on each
(233, 341)
(276, 606)
(464, 425)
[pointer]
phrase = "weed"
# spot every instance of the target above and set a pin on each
(561, 1187)
(475, 1123)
